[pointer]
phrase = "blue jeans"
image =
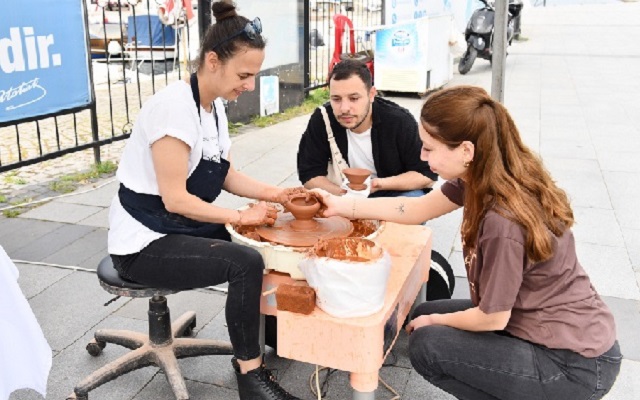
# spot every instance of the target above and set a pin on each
(183, 262)
(496, 365)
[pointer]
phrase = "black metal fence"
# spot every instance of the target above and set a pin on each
(126, 69)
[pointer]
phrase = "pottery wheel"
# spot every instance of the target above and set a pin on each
(283, 233)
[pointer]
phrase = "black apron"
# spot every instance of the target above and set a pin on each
(205, 183)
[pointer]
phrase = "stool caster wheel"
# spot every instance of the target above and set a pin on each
(94, 348)
(188, 331)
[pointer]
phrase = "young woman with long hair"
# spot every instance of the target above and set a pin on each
(534, 328)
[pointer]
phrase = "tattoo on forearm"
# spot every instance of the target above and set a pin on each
(400, 208)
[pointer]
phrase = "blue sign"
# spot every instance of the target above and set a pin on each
(43, 58)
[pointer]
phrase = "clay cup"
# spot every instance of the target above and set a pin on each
(356, 177)
(303, 208)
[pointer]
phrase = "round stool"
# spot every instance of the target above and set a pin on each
(162, 346)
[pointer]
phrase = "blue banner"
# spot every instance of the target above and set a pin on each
(43, 58)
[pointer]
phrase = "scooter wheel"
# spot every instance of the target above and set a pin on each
(467, 60)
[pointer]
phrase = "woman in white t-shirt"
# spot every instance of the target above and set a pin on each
(164, 230)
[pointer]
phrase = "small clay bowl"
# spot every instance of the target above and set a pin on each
(303, 210)
(356, 176)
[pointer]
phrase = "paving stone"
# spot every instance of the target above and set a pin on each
(74, 364)
(100, 197)
(632, 240)
(99, 219)
(158, 388)
(597, 226)
(206, 305)
(456, 259)
(94, 242)
(17, 233)
(215, 370)
(624, 197)
(34, 279)
(52, 242)
(567, 148)
(70, 307)
(93, 261)
(626, 386)
(627, 316)
(61, 212)
(609, 269)
(419, 388)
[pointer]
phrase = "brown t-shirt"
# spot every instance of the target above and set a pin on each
(552, 303)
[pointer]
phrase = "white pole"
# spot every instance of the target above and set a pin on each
(499, 58)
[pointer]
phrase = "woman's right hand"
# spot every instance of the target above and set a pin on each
(329, 203)
(258, 214)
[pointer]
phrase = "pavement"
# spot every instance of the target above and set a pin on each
(573, 88)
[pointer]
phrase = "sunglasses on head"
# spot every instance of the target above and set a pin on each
(252, 29)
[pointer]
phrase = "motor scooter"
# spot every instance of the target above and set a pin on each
(479, 33)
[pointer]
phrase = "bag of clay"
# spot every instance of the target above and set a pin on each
(349, 276)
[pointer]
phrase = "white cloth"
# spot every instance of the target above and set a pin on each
(360, 152)
(25, 355)
(170, 112)
(357, 193)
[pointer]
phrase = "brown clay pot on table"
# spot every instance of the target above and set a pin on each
(303, 208)
(300, 229)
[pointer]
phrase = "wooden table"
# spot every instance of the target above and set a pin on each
(358, 345)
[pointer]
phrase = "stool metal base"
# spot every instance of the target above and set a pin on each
(149, 351)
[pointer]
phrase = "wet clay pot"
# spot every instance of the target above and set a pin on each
(303, 208)
(356, 177)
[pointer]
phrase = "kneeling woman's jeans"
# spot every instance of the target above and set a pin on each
(496, 365)
(183, 262)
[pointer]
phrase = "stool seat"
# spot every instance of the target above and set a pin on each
(112, 282)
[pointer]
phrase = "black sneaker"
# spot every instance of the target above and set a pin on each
(259, 384)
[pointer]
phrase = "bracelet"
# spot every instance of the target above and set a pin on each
(353, 209)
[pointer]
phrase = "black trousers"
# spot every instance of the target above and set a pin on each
(496, 365)
(183, 262)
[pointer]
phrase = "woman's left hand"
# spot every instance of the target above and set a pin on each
(419, 322)
(283, 195)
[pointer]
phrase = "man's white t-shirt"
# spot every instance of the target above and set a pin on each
(360, 153)
(170, 112)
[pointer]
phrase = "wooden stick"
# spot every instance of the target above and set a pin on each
(270, 291)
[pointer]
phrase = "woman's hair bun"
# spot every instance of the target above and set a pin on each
(223, 9)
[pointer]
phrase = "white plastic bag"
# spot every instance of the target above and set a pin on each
(348, 289)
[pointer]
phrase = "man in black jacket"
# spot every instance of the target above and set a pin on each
(371, 133)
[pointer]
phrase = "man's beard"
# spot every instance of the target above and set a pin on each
(362, 120)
